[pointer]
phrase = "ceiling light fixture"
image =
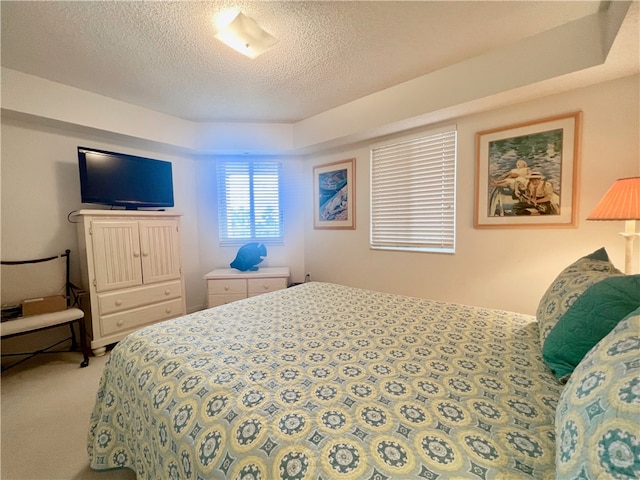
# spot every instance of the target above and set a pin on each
(245, 36)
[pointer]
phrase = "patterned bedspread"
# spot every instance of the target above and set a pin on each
(322, 381)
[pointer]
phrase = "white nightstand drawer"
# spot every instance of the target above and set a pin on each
(256, 286)
(227, 286)
(217, 300)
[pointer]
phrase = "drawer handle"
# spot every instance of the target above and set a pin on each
(265, 286)
(120, 323)
(136, 254)
(118, 302)
(167, 292)
(168, 310)
(226, 287)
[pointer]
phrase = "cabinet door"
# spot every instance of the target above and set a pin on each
(160, 246)
(116, 254)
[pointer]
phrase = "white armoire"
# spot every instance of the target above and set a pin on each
(131, 267)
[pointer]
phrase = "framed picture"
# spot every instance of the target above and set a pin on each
(334, 195)
(527, 174)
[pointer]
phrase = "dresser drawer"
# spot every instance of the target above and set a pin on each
(257, 286)
(217, 300)
(131, 319)
(227, 286)
(137, 297)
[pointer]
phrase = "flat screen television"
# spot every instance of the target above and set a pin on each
(121, 180)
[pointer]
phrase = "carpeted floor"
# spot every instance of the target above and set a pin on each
(45, 407)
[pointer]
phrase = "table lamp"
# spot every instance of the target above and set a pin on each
(622, 202)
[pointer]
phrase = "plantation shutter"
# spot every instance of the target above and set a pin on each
(413, 194)
(249, 206)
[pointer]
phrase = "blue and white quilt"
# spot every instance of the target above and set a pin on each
(322, 381)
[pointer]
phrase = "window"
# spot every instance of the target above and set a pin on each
(249, 205)
(413, 193)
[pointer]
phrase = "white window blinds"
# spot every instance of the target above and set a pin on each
(413, 193)
(249, 205)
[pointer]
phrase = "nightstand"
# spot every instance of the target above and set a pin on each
(226, 285)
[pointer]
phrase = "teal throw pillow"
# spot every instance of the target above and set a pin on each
(569, 286)
(588, 320)
(598, 415)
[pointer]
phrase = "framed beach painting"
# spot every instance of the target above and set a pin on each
(527, 174)
(334, 195)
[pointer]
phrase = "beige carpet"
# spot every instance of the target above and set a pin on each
(45, 407)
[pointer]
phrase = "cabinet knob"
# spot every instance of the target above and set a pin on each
(226, 287)
(120, 323)
(118, 302)
(167, 292)
(265, 286)
(136, 254)
(168, 310)
(145, 254)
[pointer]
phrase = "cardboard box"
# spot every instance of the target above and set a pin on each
(34, 306)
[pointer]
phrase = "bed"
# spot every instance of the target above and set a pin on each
(323, 381)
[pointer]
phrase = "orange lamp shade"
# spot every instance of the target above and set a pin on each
(621, 202)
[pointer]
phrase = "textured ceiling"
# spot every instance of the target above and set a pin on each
(163, 56)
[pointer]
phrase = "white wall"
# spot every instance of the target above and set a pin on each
(505, 268)
(498, 268)
(41, 186)
(290, 254)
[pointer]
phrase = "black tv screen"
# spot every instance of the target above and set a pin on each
(121, 180)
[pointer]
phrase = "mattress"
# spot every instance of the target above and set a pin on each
(323, 381)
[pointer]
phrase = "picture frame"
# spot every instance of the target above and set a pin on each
(527, 174)
(334, 203)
